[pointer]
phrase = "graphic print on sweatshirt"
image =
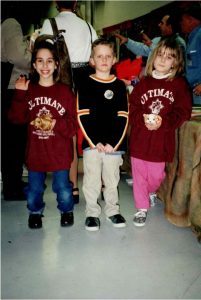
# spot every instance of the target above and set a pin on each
(43, 124)
(43, 109)
(156, 104)
(156, 107)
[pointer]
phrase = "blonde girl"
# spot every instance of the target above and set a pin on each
(159, 104)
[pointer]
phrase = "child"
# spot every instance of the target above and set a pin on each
(50, 111)
(103, 119)
(159, 104)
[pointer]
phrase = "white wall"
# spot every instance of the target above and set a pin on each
(108, 13)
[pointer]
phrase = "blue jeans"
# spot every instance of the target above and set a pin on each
(60, 185)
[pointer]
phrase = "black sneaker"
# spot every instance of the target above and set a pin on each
(118, 221)
(67, 219)
(92, 224)
(35, 221)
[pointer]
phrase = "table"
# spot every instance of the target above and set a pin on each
(181, 189)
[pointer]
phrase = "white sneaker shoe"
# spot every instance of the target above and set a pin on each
(140, 218)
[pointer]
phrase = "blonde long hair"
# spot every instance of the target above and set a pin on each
(176, 52)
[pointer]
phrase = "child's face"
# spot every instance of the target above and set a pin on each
(164, 61)
(45, 64)
(103, 58)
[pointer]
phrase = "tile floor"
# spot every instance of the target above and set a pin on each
(158, 261)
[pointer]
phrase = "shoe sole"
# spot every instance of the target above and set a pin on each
(35, 227)
(92, 228)
(119, 225)
(67, 225)
(139, 224)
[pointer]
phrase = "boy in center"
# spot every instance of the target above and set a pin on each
(102, 108)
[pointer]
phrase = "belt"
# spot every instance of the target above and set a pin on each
(79, 64)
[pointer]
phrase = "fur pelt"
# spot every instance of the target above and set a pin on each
(181, 189)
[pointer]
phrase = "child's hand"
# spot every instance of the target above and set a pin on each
(100, 147)
(21, 83)
(153, 126)
(109, 148)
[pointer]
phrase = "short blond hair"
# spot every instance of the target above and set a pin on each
(105, 42)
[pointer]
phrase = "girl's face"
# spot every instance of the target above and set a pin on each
(164, 61)
(45, 65)
(103, 59)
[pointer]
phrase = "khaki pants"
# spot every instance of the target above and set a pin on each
(100, 167)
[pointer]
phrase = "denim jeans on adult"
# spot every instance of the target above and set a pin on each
(60, 185)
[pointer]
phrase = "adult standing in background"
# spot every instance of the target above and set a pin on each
(79, 36)
(15, 60)
(168, 27)
(191, 25)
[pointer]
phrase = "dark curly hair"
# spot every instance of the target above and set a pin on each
(44, 44)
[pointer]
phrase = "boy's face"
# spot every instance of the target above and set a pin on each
(103, 58)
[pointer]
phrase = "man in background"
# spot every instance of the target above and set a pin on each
(191, 26)
(168, 27)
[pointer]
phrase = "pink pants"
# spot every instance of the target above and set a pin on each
(147, 177)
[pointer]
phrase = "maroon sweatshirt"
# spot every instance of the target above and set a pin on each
(171, 100)
(50, 113)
